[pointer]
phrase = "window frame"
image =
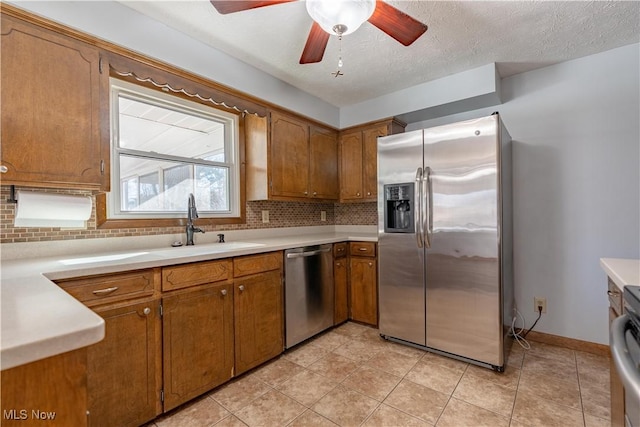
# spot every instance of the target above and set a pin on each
(234, 150)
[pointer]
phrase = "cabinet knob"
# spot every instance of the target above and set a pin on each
(339, 264)
(223, 292)
(306, 192)
(368, 193)
(358, 194)
(314, 193)
(241, 288)
(4, 169)
(146, 311)
(370, 264)
(613, 293)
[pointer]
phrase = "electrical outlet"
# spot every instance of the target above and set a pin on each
(539, 302)
(323, 215)
(265, 216)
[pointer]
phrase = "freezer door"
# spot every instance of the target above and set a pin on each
(401, 274)
(461, 227)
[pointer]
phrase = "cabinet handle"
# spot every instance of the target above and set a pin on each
(362, 249)
(223, 292)
(4, 169)
(105, 291)
(146, 311)
(241, 288)
(613, 293)
(339, 264)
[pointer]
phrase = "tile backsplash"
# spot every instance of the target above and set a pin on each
(281, 214)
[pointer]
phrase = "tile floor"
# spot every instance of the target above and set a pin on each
(349, 376)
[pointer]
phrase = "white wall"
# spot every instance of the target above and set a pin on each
(576, 156)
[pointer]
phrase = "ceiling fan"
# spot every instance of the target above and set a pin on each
(339, 17)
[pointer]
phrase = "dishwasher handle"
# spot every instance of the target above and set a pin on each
(622, 356)
(307, 254)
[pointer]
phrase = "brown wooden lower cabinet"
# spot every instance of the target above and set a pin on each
(259, 320)
(616, 386)
(49, 392)
(197, 342)
(123, 370)
(363, 290)
(341, 284)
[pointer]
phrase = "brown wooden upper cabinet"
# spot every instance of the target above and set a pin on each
(298, 160)
(54, 95)
(359, 159)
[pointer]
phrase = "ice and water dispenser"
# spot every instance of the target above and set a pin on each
(399, 208)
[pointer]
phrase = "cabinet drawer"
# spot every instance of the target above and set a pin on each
(252, 264)
(615, 297)
(362, 249)
(339, 250)
(112, 287)
(198, 273)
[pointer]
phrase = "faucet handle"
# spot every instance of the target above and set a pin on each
(220, 238)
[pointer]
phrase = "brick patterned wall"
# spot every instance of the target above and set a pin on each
(281, 214)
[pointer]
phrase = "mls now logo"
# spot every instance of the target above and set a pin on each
(23, 414)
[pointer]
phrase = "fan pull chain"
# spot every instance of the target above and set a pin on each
(338, 72)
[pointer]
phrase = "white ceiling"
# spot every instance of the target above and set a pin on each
(517, 35)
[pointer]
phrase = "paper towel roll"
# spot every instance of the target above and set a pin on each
(52, 210)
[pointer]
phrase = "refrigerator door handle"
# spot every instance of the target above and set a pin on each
(427, 227)
(418, 212)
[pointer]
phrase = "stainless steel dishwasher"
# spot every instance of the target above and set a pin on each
(308, 292)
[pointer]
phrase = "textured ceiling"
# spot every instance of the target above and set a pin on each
(517, 35)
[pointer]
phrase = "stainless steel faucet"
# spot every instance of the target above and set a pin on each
(192, 213)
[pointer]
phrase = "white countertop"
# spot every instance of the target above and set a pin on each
(623, 272)
(39, 319)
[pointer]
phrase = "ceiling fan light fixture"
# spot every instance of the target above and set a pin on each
(340, 17)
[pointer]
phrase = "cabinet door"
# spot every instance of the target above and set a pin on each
(258, 319)
(197, 342)
(370, 148)
(289, 166)
(363, 290)
(341, 310)
(51, 88)
(323, 166)
(123, 374)
(351, 167)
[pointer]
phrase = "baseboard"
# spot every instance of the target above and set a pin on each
(573, 344)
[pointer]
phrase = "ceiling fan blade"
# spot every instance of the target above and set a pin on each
(396, 23)
(316, 44)
(230, 6)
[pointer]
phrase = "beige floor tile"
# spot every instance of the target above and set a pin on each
(407, 350)
(345, 407)
(555, 388)
(202, 412)
(446, 362)
(270, 409)
(596, 400)
(459, 414)
(311, 419)
(551, 352)
(239, 393)
(591, 421)
(352, 329)
(231, 421)
(330, 340)
(557, 367)
(372, 382)
(386, 416)
(277, 372)
(530, 410)
(334, 367)
(356, 350)
(418, 401)
(432, 374)
(307, 387)
(486, 394)
(393, 362)
(516, 356)
(306, 354)
(509, 378)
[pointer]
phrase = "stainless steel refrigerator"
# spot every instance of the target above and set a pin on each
(445, 240)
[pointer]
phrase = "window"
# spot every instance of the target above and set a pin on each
(165, 147)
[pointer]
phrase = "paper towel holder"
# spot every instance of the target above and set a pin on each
(12, 195)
